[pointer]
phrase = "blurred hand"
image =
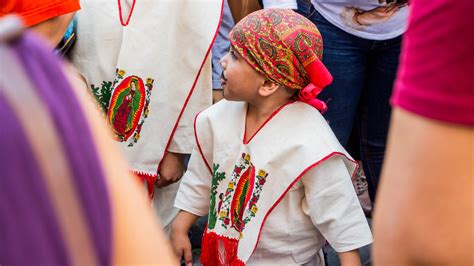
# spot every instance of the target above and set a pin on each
(171, 170)
(181, 245)
(377, 15)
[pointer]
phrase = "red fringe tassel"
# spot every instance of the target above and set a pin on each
(219, 250)
(150, 182)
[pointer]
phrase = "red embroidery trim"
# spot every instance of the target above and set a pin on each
(199, 145)
(264, 123)
(149, 179)
(192, 89)
(124, 24)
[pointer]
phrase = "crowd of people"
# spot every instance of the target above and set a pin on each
(137, 132)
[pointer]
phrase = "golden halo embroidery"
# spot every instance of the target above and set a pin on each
(129, 107)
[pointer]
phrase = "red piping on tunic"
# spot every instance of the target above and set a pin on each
(284, 193)
(264, 123)
(199, 145)
(296, 180)
(188, 97)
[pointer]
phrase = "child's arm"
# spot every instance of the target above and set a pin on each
(179, 235)
(350, 258)
(192, 199)
(439, 230)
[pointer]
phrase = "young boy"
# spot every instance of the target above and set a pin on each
(278, 181)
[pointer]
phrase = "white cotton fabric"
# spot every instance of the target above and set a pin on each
(321, 205)
(166, 41)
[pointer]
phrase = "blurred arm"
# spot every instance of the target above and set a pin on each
(425, 203)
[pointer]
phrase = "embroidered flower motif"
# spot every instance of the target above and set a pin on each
(214, 206)
(121, 73)
(261, 172)
(223, 214)
(254, 199)
(247, 157)
(231, 185)
(254, 209)
(237, 170)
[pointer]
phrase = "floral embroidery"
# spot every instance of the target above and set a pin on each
(238, 204)
(102, 94)
(217, 177)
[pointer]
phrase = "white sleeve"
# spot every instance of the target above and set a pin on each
(194, 191)
(333, 206)
(183, 138)
(291, 4)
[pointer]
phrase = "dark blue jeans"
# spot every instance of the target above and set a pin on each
(358, 100)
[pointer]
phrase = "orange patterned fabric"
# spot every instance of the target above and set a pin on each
(281, 45)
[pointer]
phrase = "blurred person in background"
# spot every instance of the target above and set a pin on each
(424, 211)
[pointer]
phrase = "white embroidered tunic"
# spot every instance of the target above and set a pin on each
(151, 76)
(276, 198)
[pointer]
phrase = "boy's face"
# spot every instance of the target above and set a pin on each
(240, 82)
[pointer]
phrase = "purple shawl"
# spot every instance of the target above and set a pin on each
(30, 227)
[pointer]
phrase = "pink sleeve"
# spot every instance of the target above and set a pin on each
(436, 75)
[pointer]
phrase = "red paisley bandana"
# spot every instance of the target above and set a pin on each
(286, 48)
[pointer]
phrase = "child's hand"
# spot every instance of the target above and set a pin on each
(350, 258)
(182, 246)
(171, 169)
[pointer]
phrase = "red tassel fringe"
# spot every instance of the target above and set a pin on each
(219, 250)
(150, 182)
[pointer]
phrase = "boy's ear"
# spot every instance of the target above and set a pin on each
(268, 88)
